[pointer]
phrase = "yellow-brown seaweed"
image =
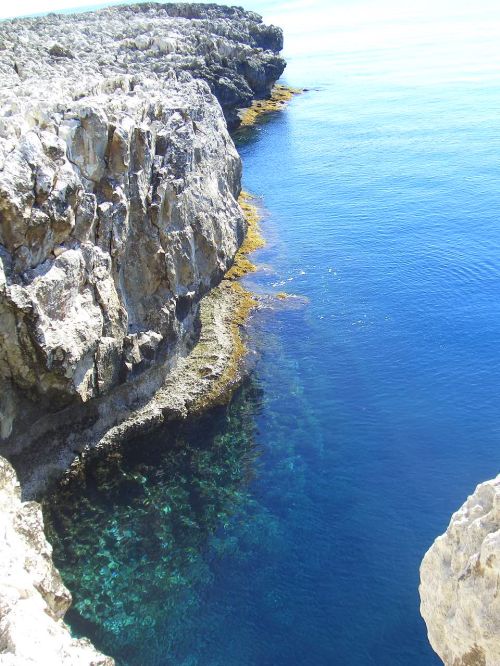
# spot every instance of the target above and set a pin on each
(244, 302)
(280, 95)
(253, 239)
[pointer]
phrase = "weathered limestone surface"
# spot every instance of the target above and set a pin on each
(460, 583)
(118, 211)
(33, 599)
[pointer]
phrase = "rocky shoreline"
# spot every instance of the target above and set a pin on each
(118, 199)
(119, 188)
(123, 231)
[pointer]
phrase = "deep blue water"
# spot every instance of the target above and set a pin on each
(372, 411)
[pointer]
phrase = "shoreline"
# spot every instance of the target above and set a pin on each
(213, 369)
(281, 94)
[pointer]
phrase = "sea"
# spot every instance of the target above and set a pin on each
(287, 528)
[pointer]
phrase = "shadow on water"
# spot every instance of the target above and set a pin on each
(134, 532)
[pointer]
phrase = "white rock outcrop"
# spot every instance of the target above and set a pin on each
(460, 583)
(33, 599)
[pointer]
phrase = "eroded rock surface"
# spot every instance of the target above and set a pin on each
(118, 210)
(33, 599)
(460, 583)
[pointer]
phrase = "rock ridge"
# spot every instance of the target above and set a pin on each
(229, 48)
(118, 209)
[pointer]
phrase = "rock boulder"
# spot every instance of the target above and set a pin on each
(460, 583)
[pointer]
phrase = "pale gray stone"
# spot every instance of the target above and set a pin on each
(459, 586)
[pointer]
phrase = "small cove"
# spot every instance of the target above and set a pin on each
(288, 528)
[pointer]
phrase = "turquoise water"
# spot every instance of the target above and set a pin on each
(288, 529)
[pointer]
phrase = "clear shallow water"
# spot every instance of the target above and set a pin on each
(373, 408)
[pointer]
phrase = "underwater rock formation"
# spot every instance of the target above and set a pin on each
(118, 209)
(33, 599)
(459, 587)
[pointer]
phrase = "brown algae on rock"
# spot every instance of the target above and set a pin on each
(280, 95)
(243, 303)
(221, 388)
(253, 239)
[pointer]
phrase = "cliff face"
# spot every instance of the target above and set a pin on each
(459, 588)
(118, 211)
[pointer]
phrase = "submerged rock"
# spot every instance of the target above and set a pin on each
(33, 599)
(118, 208)
(459, 587)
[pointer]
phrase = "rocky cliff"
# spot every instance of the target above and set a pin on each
(459, 590)
(118, 209)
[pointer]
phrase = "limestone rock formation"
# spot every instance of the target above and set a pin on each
(460, 578)
(118, 210)
(33, 599)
